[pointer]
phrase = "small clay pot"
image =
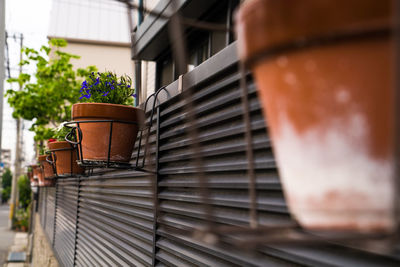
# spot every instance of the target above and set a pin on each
(32, 178)
(324, 73)
(30, 174)
(38, 174)
(96, 136)
(65, 158)
(47, 177)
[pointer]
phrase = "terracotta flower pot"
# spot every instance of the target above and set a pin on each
(32, 178)
(96, 136)
(47, 176)
(65, 158)
(38, 174)
(324, 73)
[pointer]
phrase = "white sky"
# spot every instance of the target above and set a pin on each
(31, 18)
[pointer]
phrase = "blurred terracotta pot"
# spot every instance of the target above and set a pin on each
(32, 178)
(38, 174)
(96, 135)
(65, 158)
(47, 173)
(324, 73)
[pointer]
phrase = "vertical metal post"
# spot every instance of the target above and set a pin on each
(55, 215)
(249, 147)
(2, 71)
(177, 39)
(396, 103)
(76, 221)
(137, 63)
(109, 145)
(17, 163)
(155, 190)
(228, 23)
(176, 34)
(46, 189)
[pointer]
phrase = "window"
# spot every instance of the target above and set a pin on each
(201, 44)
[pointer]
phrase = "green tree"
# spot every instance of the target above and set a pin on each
(24, 189)
(6, 178)
(6, 181)
(47, 98)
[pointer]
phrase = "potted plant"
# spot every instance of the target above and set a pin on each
(46, 168)
(31, 177)
(38, 174)
(64, 154)
(324, 73)
(107, 98)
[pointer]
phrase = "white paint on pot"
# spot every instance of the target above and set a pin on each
(330, 179)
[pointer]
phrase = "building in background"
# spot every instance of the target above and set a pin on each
(5, 161)
(99, 32)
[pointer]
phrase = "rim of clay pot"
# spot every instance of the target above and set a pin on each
(81, 111)
(59, 144)
(261, 25)
(42, 158)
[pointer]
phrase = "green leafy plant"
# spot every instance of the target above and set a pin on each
(41, 149)
(5, 194)
(24, 189)
(6, 178)
(47, 98)
(107, 87)
(61, 132)
(21, 219)
(6, 181)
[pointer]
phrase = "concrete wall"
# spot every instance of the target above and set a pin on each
(104, 57)
(113, 58)
(42, 255)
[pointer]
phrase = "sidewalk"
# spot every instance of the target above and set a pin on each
(6, 235)
(18, 251)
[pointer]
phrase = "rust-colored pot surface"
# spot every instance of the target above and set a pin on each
(30, 175)
(65, 159)
(329, 104)
(38, 174)
(47, 168)
(96, 136)
(32, 178)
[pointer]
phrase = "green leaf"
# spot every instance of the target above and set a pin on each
(47, 98)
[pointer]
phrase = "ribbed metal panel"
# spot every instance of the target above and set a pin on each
(64, 238)
(50, 213)
(221, 134)
(115, 220)
(42, 206)
(115, 209)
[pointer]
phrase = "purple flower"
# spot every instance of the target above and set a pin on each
(106, 93)
(97, 81)
(86, 96)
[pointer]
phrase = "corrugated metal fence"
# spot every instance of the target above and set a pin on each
(110, 218)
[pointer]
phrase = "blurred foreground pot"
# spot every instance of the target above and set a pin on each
(65, 158)
(96, 135)
(324, 71)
